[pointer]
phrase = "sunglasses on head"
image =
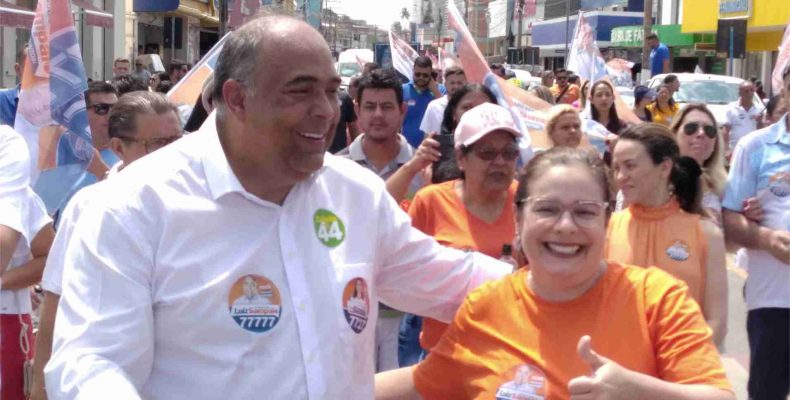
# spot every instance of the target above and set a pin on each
(101, 108)
(693, 127)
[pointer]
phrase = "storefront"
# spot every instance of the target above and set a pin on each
(765, 22)
(551, 35)
(94, 27)
(182, 29)
(688, 50)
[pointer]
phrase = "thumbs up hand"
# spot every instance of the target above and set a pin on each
(607, 379)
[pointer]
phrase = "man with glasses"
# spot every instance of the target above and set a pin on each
(141, 123)
(563, 91)
(417, 94)
(140, 72)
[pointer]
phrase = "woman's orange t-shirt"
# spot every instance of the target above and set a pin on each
(665, 237)
(506, 343)
(438, 211)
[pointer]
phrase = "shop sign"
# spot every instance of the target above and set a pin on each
(732, 9)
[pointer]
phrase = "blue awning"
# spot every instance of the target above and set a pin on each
(552, 32)
(155, 5)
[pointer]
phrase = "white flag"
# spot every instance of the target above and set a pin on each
(782, 60)
(585, 59)
(403, 55)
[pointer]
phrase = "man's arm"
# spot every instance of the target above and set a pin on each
(8, 240)
(29, 274)
(715, 301)
(417, 275)
(665, 66)
(46, 325)
(749, 234)
(104, 328)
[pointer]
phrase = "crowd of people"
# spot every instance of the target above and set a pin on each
(289, 238)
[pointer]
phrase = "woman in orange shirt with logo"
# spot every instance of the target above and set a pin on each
(574, 325)
(474, 213)
(664, 224)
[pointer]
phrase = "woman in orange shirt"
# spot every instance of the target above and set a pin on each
(573, 325)
(663, 225)
(474, 213)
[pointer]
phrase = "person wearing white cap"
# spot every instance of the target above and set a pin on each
(475, 212)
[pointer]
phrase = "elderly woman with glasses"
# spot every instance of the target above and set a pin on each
(475, 212)
(574, 325)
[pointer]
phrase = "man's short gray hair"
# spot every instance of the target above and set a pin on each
(241, 52)
(123, 115)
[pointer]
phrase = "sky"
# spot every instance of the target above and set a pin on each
(378, 12)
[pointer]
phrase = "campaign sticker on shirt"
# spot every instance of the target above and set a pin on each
(528, 382)
(679, 251)
(356, 304)
(779, 184)
(411, 102)
(255, 303)
(329, 228)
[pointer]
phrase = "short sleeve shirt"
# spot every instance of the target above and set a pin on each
(347, 115)
(417, 102)
(760, 167)
(657, 57)
(507, 343)
(432, 120)
(742, 121)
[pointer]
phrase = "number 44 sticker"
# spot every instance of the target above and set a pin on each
(328, 228)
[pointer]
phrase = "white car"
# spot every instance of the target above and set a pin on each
(715, 91)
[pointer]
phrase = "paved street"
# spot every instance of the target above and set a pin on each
(736, 355)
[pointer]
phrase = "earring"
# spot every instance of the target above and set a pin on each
(671, 189)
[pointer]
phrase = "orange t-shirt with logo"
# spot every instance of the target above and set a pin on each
(665, 237)
(438, 211)
(506, 343)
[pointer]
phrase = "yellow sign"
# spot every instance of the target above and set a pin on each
(735, 9)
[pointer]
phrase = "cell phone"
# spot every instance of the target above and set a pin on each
(446, 146)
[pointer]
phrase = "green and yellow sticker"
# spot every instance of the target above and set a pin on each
(328, 228)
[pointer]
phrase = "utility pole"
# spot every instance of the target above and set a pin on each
(647, 30)
(520, 23)
(567, 26)
(223, 17)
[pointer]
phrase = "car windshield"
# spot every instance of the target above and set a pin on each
(707, 92)
(348, 69)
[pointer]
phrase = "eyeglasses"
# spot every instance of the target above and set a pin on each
(509, 153)
(693, 127)
(152, 145)
(102, 108)
(584, 213)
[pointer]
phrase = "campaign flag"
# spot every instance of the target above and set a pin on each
(528, 111)
(360, 62)
(403, 55)
(51, 114)
(188, 89)
(782, 61)
(584, 58)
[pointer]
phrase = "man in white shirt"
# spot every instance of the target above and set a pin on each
(743, 116)
(159, 259)
(454, 79)
(140, 122)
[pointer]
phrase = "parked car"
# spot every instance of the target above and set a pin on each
(715, 91)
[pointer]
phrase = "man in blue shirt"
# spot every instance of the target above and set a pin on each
(659, 55)
(417, 94)
(9, 98)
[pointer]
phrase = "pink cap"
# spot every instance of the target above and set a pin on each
(481, 121)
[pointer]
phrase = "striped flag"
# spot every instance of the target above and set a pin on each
(187, 90)
(51, 115)
(403, 55)
(782, 61)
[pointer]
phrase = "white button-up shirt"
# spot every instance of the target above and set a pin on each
(179, 284)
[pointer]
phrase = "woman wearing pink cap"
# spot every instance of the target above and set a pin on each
(475, 212)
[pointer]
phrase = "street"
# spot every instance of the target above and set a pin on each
(736, 355)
